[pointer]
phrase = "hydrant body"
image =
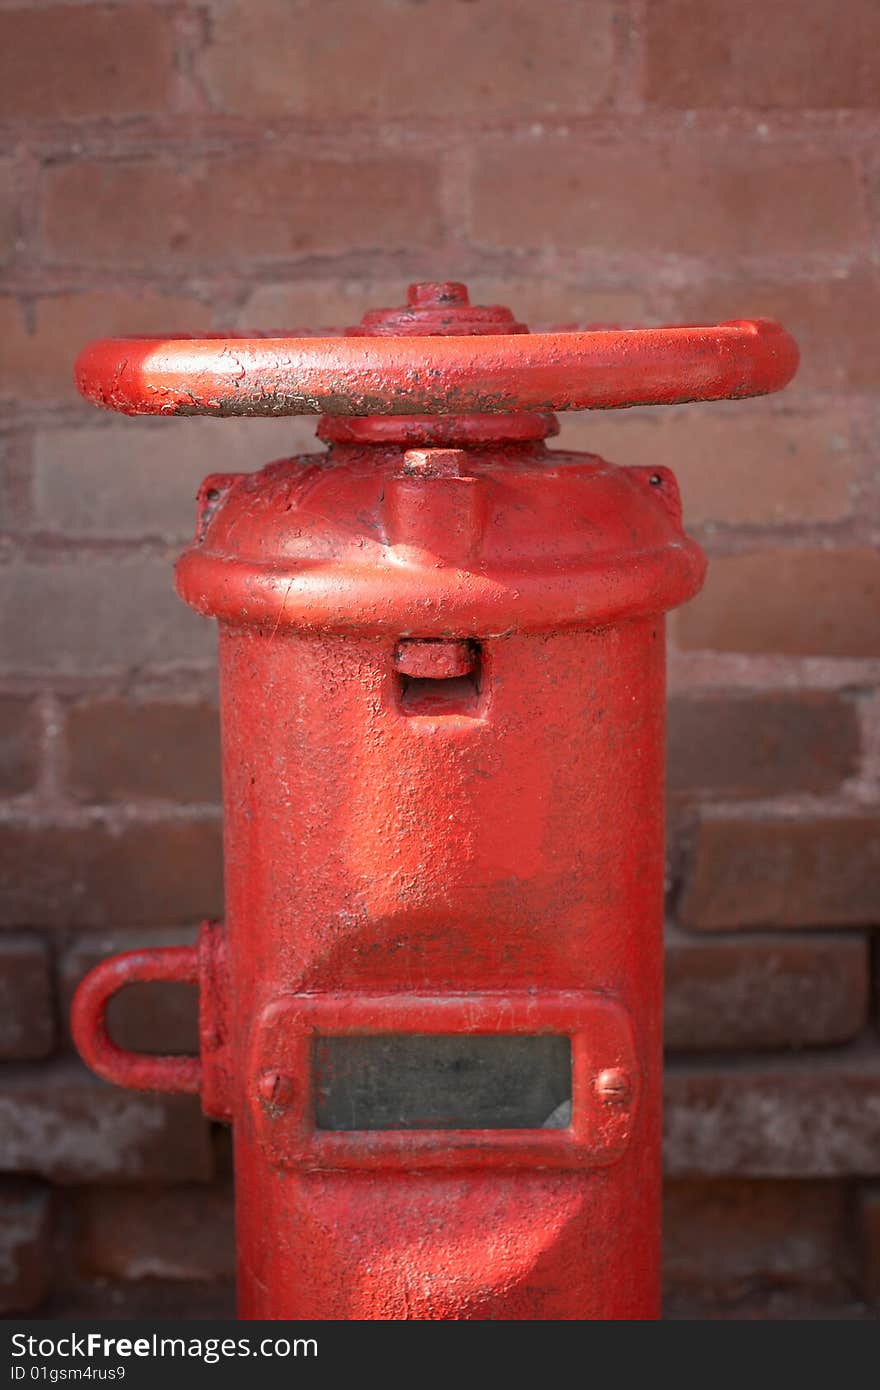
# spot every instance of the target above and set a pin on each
(434, 1012)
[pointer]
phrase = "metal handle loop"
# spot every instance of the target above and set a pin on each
(137, 1070)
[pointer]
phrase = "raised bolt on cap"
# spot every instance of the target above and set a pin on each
(435, 463)
(614, 1084)
(433, 294)
(274, 1089)
(434, 659)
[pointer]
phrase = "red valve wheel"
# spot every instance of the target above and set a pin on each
(438, 356)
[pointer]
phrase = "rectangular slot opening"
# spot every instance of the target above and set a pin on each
(442, 1081)
(442, 695)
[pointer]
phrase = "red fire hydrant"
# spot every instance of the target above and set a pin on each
(434, 1012)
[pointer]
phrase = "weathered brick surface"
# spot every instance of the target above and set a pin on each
(68, 61)
(793, 53)
(816, 1116)
(766, 745)
(9, 224)
(63, 617)
(263, 204)
(764, 991)
(798, 203)
(500, 57)
(64, 1125)
(19, 751)
(783, 872)
(149, 1300)
(869, 1222)
(27, 1005)
(729, 1240)
(178, 1234)
(158, 1018)
(40, 338)
(799, 602)
(139, 477)
(746, 464)
(120, 750)
(25, 1244)
(98, 875)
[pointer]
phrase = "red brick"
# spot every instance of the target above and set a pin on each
(174, 1234)
(800, 602)
(767, 991)
(264, 204)
(771, 1305)
(550, 302)
(19, 745)
(310, 304)
(834, 322)
(781, 872)
(869, 1231)
(27, 1005)
(150, 1301)
(733, 199)
(9, 227)
(96, 876)
(761, 745)
(744, 464)
(816, 1116)
(119, 749)
(727, 1241)
(69, 61)
(156, 1018)
(139, 477)
(422, 60)
(793, 53)
(39, 343)
(15, 481)
(25, 1245)
(63, 1124)
(98, 615)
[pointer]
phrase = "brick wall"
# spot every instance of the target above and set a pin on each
(179, 165)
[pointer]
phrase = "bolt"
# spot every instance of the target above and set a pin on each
(434, 463)
(614, 1085)
(434, 659)
(275, 1089)
(434, 294)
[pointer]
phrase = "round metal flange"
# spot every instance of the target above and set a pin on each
(437, 358)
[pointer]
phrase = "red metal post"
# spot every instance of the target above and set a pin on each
(442, 675)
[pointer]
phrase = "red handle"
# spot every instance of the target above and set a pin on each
(435, 375)
(137, 1070)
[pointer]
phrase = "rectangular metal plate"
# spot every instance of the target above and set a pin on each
(446, 1081)
(293, 1032)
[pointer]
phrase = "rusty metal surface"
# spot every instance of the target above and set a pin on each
(442, 689)
(451, 375)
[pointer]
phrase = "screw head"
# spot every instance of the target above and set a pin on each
(614, 1085)
(274, 1089)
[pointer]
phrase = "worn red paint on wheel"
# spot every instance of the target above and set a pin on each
(442, 676)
